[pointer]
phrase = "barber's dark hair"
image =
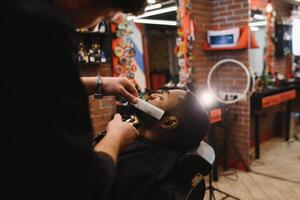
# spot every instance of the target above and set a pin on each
(193, 123)
(127, 6)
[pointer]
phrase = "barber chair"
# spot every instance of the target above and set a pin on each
(190, 171)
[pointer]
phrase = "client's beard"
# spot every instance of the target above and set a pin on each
(147, 122)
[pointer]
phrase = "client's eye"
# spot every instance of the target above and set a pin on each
(149, 91)
(161, 91)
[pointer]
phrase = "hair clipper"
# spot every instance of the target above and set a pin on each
(132, 120)
(143, 106)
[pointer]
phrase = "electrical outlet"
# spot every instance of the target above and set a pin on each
(229, 96)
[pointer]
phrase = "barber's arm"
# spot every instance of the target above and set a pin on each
(119, 135)
(112, 86)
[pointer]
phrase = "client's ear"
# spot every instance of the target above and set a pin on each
(169, 122)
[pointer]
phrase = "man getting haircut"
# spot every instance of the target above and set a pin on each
(144, 167)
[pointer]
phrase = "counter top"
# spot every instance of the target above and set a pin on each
(274, 96)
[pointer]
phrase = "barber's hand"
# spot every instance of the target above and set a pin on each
(120, 86)
(123, 132)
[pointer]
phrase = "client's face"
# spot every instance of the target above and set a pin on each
(157, 130)
(166, 100)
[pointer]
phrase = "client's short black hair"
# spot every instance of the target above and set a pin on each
(127, 6)
(193, 123)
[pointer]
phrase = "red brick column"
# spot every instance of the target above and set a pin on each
(221, 14)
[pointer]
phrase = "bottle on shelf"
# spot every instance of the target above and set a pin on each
(103, 57)
(102, 27)
(91, 56)
(86, 57)
(81, 53)
(96, 51)
(82, 30)
(98, 55)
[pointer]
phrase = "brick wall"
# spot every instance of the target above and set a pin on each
(271, 123)
(221, 14)
(101, 110)
(282, 8)
(202, 15)
(158, 60)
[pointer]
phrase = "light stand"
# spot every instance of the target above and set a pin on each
(210, 187)
(227, 141)
(230, 98)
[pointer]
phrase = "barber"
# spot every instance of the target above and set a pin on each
(46, 132)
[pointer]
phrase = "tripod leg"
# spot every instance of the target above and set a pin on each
(226, 194)
(239, 156)
(211, 193)
(211, 190)
(213, 196)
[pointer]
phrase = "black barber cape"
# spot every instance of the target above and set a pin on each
(145, 172)
(46, 132)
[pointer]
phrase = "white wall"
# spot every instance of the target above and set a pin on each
(296, 37)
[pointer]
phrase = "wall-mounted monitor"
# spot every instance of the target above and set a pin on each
(223, 38)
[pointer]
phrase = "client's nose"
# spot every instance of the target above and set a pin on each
(153, 96)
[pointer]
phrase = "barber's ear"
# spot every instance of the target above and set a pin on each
(169, 122)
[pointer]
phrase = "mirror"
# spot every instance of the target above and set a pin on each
(160, 27)
(274, 62)
(166, 56)
(258, 25)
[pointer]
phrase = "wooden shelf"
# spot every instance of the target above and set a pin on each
(93, 64)
(242, 43)
(93, 34)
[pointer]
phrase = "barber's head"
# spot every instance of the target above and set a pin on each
(88, 13)
(183, 125)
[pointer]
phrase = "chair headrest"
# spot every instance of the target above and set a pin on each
(197, 161)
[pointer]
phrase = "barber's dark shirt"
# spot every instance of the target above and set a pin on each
(46, 132)
(146, 172)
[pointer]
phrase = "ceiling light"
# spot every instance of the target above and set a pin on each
(254, 28)
(154, 12)
(259, 17)
(151, 1)
(261, 23)
(152, 7)
(157, 22)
